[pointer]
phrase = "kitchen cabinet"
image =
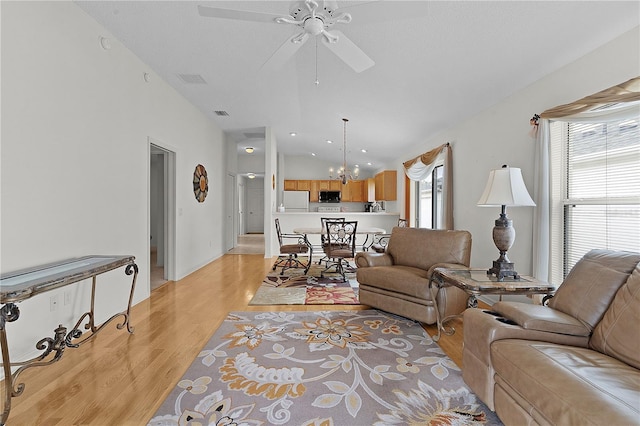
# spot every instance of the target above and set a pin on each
(304, 185)
(290, 185)
(386, 185)
(313, 192)
(297, 185)
(354, 192)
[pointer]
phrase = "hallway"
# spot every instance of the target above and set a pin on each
(249, 244)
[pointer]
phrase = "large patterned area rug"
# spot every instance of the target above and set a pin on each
(322, 368)
(296, 288)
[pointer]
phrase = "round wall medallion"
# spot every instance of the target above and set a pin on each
(200, 183)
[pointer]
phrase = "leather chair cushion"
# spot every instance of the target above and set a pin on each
(293, 249)
(421, 248)
(337, 252)
(569, 385)
(589, 288)
(399, 279)
(617, 334)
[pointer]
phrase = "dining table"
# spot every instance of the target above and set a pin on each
(368, 231)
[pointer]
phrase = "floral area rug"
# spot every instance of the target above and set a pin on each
(322, 368)
(295, 288)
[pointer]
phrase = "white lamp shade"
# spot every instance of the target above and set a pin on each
(505, 187)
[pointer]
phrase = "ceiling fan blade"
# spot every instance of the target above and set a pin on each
(351, 54)
(285, 52)
(241, 15)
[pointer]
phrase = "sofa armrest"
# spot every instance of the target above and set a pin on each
(367, 259)
(481, 329)
(540, 318)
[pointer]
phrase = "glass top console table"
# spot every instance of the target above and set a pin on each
(21, 285)
(476, 282)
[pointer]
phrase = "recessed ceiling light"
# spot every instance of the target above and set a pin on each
(292, 134)
(249, 149)
(356, 165)
(329, 141)
(369, 164)
(363, 150)
(313, 154)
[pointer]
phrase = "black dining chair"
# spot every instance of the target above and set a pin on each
(341, 245)
(288, 257)
(323, 237)
(382, 240)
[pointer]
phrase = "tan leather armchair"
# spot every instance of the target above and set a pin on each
(397, 281)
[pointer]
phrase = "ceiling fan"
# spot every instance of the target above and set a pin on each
(313, 20)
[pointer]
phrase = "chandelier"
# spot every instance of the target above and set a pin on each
(344, 173)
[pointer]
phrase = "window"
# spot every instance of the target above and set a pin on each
(595, 189)
(429, 198)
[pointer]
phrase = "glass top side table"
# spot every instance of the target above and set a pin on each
(476, 282)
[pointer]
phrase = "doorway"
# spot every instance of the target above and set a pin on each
(161, 216)
(254, 206)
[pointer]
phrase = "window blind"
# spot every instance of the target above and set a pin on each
(602, 188)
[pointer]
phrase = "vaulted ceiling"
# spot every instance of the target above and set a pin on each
(436, 63)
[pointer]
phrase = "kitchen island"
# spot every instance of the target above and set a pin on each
(292, 220)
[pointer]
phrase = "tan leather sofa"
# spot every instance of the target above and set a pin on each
(397, 280)
(573, 362)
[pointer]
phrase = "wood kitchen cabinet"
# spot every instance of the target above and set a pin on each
(304, 185)
(297, 185)
(386, 185)
(290, 185)
(354, 191)
(313, 192)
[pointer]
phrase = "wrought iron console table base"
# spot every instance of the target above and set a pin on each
(21, 285)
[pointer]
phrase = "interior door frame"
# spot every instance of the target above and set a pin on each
(169, 187)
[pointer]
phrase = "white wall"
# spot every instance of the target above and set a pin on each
(305, 167)
(75, 161)
(501, 135)
(251, 163)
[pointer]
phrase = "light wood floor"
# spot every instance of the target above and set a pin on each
(121, 378)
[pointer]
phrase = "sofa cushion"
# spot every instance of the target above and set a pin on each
(541, 318)
(591, 285)
(421, 248)
(617, 334)
(569, 385)
(398, 279)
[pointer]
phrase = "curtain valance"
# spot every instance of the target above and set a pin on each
(626, 92)
(420, 167)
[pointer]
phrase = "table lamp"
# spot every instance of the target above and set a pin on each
(505, 187)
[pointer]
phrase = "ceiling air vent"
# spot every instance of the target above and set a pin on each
(222, 113)
(192, 79)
